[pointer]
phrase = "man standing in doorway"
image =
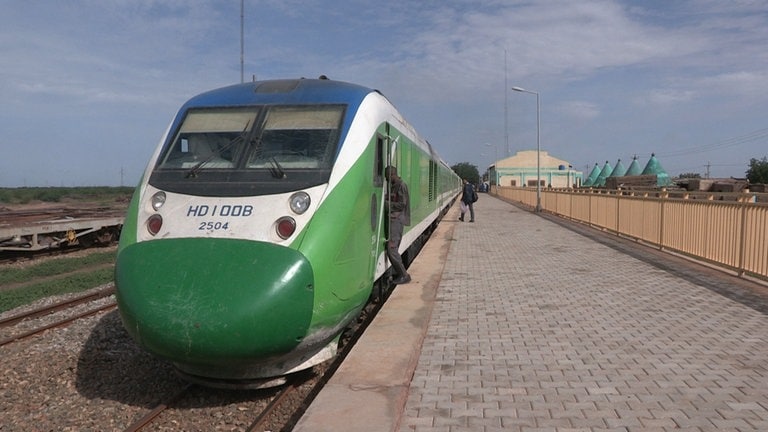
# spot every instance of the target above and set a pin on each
(399, 205)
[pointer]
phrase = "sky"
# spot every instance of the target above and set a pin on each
(88, 87)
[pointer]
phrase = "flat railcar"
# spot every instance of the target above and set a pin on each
(50, 229)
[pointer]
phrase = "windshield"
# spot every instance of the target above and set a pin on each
(208, 138)
(250, 150)
(297, 138)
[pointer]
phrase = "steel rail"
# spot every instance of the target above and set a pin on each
(6, 341)
(150, 416)
(47, 310)
(262, 419)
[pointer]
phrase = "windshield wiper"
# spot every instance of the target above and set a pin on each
(193, 171)
(276, 170)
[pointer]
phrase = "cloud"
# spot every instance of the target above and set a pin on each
(608, 71)
(667, 97)
(579, 110)
(746, 83)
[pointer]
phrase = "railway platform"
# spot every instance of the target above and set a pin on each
(518, 322)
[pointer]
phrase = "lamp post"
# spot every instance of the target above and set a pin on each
(538, 146)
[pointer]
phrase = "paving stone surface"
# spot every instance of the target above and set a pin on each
(538, 328)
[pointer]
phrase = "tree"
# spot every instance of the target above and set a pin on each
(758, 171)
(467, 171)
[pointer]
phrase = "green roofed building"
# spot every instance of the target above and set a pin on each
(604, 173)
(618, 176)
(618, 170)
(590, 182)
(653, 167)
(634, 168)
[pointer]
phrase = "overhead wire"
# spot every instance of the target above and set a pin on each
(731, 142)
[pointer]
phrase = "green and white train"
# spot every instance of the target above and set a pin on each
(258, 230)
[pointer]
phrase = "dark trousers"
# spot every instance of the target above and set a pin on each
(393, 244)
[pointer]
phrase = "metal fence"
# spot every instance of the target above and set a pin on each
(730, 233)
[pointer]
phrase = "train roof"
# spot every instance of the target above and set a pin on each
(283, 91)
(296, 91)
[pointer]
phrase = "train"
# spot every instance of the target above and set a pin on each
(258, 230)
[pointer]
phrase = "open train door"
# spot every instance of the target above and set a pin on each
(391, 161)
(385, 156)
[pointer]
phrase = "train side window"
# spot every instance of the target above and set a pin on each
(432, 180)
(378, 164)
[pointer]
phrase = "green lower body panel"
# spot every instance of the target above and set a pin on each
(221, 308)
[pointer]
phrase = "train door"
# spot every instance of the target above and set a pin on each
(392, 160)
(384, 156)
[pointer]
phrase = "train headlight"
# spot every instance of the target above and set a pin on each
(158, 199)
(154, 223)
(299, 202)
(285, 227)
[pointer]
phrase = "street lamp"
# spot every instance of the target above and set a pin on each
(538, 146)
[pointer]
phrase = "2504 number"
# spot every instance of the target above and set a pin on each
(213, 226)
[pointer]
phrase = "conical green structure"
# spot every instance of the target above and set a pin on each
(654, 167)
(592, 177)
(607, 170)
(618, 170)
(634, 168)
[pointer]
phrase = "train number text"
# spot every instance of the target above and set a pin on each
(213, 226)
(224, 210)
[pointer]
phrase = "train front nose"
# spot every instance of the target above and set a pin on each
(215, 306)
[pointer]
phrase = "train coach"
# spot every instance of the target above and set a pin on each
(258, 230)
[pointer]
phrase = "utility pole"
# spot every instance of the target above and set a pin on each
(242, 43)
(506, 114)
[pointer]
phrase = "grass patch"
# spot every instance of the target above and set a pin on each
(67, 284)
(55, 277)
(105, 194)
(55, 267)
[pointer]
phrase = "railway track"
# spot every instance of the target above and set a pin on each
(155, 412)
(276, 409)
(10, 257)
(49, 309)
(273, 409)
(267, 405)
(62, 306)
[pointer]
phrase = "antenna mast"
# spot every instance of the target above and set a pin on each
(242, 21)
(506, 114)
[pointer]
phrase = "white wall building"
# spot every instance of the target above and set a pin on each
(520, 170)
